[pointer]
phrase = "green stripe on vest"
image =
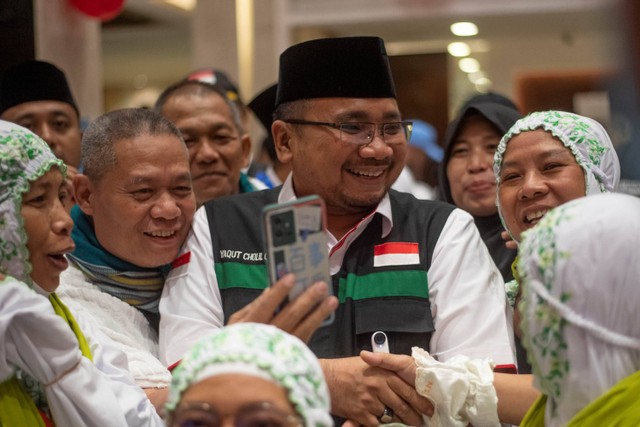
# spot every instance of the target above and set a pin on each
(391, 298)
(403, 283)
(239, 275)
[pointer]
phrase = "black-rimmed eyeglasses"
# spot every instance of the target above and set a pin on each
(256, 414)
(362, 133)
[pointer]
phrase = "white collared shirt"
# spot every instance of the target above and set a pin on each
(466, 291)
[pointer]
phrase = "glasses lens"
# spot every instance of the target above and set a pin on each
(362, 133)
(356, 133)
(396, 133)
(408, 130)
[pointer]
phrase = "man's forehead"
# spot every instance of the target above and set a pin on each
(132, 168)
(186, 105)
(38, 109)
(140, 176)
(146, 145)
(185, 99)
(357, 108)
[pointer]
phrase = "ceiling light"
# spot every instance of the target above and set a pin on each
(483, 85)
(474, 77)
(469, 65)
(464, 29)
(458, 49)
(187, 5)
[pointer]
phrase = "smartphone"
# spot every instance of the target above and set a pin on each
(296, 242)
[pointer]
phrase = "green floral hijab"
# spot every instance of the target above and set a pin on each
(584, 137)
(24, 157)
(263, 351)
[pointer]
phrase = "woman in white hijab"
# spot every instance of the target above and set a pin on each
(580, 276)
(546, 159)
(580, 273)
(54, 369)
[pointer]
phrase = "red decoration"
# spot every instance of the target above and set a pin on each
(104, 10)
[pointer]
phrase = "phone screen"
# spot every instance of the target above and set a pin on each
(296, 242)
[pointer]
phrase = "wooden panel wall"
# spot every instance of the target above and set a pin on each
(422, 88)
(555, 90)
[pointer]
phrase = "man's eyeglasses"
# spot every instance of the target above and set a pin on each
(362, 133)
(260, 414)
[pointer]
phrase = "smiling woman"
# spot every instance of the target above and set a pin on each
(465, 175)
(52, 365)
(549, 158)
(545, 160)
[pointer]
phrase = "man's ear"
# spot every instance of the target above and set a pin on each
(281, 132)
(83, 189)
(245, 140)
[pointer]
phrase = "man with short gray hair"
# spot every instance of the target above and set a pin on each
(135, 207)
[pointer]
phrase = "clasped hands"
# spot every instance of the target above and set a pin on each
(362, 387)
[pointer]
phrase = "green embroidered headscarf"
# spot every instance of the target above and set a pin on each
(24, 157)
(263, 351)
(584, 137)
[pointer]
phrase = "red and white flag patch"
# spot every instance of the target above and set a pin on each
(396, 253)
(180, 265)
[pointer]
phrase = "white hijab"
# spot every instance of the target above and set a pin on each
(580, 271)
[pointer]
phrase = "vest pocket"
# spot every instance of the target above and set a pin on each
(407, 321)
(233, 299)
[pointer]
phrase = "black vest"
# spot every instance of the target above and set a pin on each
(393, 299)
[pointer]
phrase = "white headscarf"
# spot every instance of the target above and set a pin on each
(584, 137)
(580, 269)
(263, 351)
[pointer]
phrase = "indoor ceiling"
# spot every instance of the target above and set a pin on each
(153, 38)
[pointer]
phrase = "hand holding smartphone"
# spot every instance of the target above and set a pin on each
(296, 242)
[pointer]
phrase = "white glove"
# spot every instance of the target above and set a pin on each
(460, 389)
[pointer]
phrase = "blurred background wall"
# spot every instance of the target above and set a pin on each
(577, 55)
